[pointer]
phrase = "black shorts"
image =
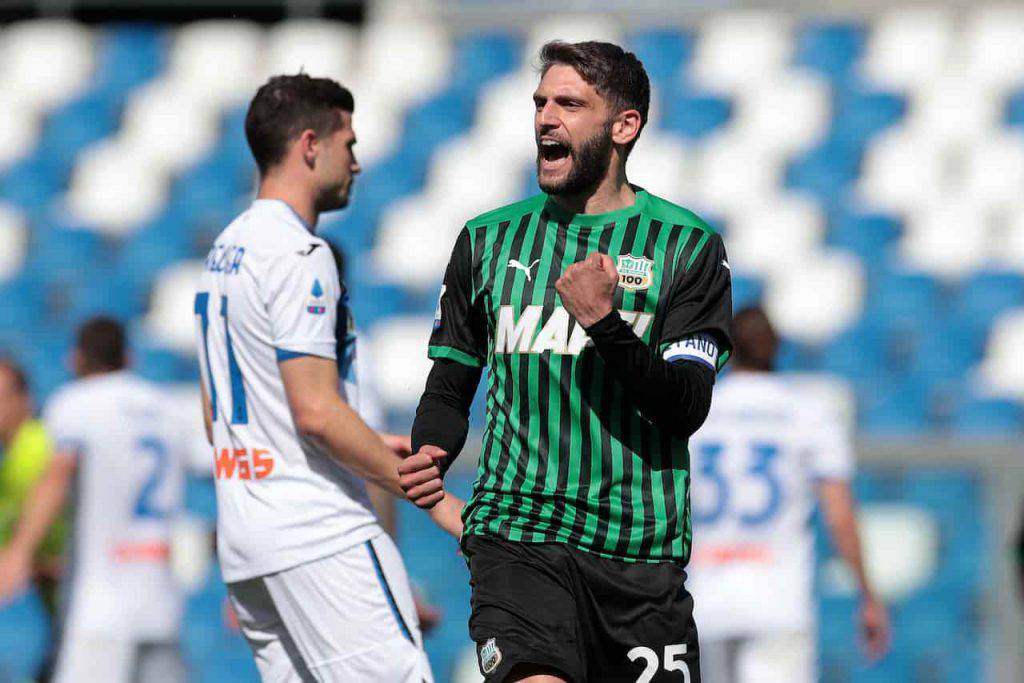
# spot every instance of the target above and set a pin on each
(584, 616)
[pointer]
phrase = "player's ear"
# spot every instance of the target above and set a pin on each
(307, 144)
(626, 127)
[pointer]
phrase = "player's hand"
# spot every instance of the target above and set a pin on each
(399, 443)
(15, 572)
(587, 288)
(419, 475)
(874, 629)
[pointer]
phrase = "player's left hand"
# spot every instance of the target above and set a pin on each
(399, 443)
(587, 288)
(420, 477)
(874, 629)
(15, 571)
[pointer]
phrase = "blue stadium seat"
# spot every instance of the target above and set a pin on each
(157, 245)
(988, 417)
(21, 303)
(796, 357)
(22, 637)
(944, 350)
(904, 300)
(860, 113)
(480, 57)
(860, 352)
(825, 171)
(76, 125)
(110, 295)
(1015, 109)
(985, 295)
(163, 365)
(201, 498)
(61, 254)
(128, 55)
(746, 291)
(663, 52)
(31, 183)
(430, 123)
(830, 48)
(899, 406)
(691, 113)
(869, 236)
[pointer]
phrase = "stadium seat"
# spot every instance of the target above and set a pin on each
(929, 244)
(236, 47)
(860, 352)
(903, 170)
(22, 636)
(952, 108)
(994, 170)
(818, 300)
(114, 189)
(1001, 372)
(898, 406)
(869, 236)
(772, 236)
(691, 111)
(746, 291)
(482, 57)
(825, 171)
(991, 44)
(31, 184)
(19, 129)
(861, 112)
(170, 321)
(569, 28)
(45, 62)
(76, 125)
(908, 47)
(404, 61)
(319, 48)
(13, 241)
(987, 417)
(986, 295)
(167, 126)
(397, 347)
(737, 51)
(783, 114)
(127, 56)
(729, 179)
(832, 48)
(662, 164)
(663, 51)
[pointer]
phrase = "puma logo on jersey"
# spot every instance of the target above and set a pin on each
(559, 334)
(512, 263)
(312, 247)
(726, 264)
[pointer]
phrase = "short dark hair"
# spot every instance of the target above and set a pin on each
(101, 341)
(285, 106)
(617, 75)
(17, 373)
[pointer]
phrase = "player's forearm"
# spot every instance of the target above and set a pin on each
(841, 519)
(674, 396)
(344, 435)
(442, 417)
(43, 506)
(384, 503)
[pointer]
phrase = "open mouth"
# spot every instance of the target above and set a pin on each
(552, 150)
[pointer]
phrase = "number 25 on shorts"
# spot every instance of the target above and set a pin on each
(671, 661)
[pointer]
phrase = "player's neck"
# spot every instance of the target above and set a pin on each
(611, 194)
(294, 195)
(7, 435)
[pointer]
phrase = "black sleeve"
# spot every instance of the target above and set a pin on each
(674, 396)
(442, 417)
(460, 331)
(700, 303)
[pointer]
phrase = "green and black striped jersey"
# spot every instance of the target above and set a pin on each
(566, 457)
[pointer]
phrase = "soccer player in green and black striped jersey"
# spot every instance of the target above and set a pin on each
(601, 312)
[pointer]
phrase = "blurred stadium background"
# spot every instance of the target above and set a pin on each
(865, 164)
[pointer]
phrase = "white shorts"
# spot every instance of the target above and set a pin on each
(111, 659)
(782, 658)
(346, 618)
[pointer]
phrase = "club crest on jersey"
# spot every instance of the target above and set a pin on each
(490, 657)
(316, 305)
(635, 272)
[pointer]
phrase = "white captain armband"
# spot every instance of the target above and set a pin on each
(699, 347)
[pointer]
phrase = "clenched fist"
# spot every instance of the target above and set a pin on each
(587, 288)
(420, 477)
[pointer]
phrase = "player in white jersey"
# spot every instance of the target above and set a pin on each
(320, 591)
(119, 458)
(767, 452)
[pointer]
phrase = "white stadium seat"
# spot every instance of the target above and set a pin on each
(170, 321)
(570, 29)
(217, 62)
(1001, 373)
(774, 237)
(318, 48)
(409, 222)
(398, 350)
(44, 63)
(662, 164)
(505, 116)
(737, 51)
(908, 47)
(994, 170)
(114, 189)
(405, 61)
(816, 299)
(466, 179)
(903, 169)
(377, 122)
(952, 109)
(992, 47)
(946, 240)
(1009, 251)
(786, 113)
(168, 127)
(19, 127)
(13, 241)
(732, 176)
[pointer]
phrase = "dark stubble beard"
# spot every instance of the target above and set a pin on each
(589, 164)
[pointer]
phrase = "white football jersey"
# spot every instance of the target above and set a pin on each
(270, 291)
(755, 463)
(129, 486)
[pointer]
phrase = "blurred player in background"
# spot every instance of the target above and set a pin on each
(319, 589)
(118, 456)
(765, 453)
(602, 312)
(25, 450)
